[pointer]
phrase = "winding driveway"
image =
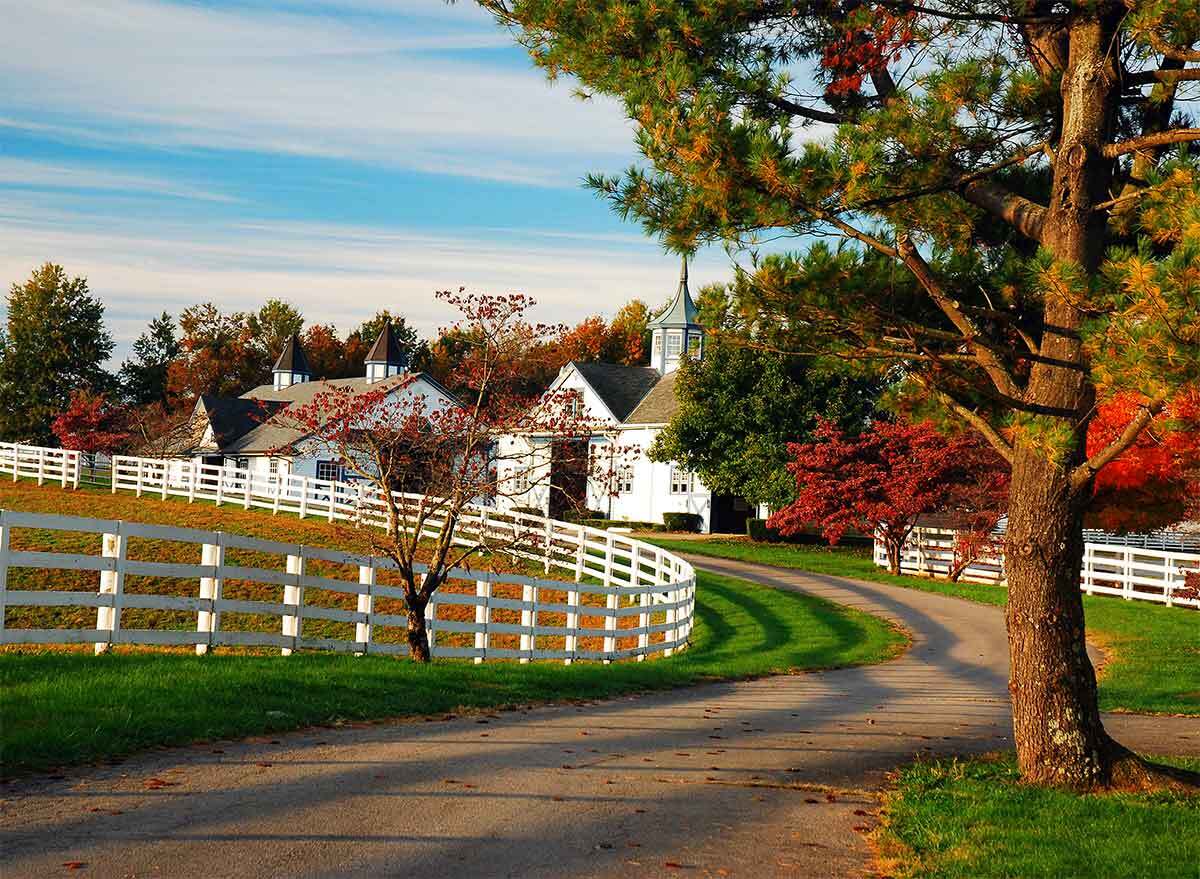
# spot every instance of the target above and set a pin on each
(774, 777)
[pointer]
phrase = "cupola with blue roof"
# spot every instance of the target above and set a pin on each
(676, 330)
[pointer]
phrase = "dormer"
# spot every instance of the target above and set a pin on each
(292, 366)
(385, 358)
(676, 330)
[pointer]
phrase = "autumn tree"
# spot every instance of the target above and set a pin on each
(326, 353)
(143, 377)
(433, 462)
(92, 423)
(882, 480)
(1155, 483)
(1016, 201)
(53, 343)
(218, 356)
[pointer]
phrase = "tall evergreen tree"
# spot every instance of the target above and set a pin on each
(143, 378)
(1012, 182)
(54, 343)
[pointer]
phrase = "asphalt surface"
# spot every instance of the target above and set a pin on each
(775, 777)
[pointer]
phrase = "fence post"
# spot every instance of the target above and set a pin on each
(112, 583)
(293, 595)
(366, 603)
(303, 496)
(1127, 574)
(333, 490)
(212, 555)
(672, 632)
(549, 542)
(278, 492)
(643, 600)
(192, 468)
(483, 590)
(41, 469)
(220, 484)
(571, 642)
(141, 466)
(16, 460)
(64, 457)
(612, 603)
(430, 618)
(580, 551)
(3, 573)
(529, 597)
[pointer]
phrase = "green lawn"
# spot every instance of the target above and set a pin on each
(1152, 652)
(952, 819)
(61, 708)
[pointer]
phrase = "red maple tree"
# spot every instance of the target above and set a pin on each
(882, 480)
(92, 423)
(1155, 482)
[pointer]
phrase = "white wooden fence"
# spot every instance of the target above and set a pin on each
(1116, 568)
(632, 578)
(40, 463)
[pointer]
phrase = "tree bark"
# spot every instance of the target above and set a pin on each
(1056, 719)
(418, 635)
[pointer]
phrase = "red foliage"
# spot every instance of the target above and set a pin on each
(872, 37)
(1153, 483)
(91, 423)
(882, 480)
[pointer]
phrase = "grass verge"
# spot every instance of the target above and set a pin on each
(63, 708)
(955, 819)
(1152, 662)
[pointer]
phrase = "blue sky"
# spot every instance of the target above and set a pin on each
(346, 156)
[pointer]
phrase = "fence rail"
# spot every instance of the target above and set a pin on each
(612, 577)
(1130, 571)
(40, 463)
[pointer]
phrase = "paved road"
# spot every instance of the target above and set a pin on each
(775, 777)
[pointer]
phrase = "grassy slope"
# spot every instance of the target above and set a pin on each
(969, 820)
(62, 708)
(1153, 660)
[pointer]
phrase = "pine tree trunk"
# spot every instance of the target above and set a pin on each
(1056, 720)
(418, 635)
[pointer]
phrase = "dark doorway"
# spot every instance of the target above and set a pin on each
(568, 476)
(729, 514)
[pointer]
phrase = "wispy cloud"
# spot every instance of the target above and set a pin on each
(26, 173)
(308, 83)
(336, 273)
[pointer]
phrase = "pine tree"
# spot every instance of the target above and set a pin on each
(1017, 206)
(143, 378)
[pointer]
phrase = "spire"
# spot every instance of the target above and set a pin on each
(292, 366)
(385, 357)
(682, 311)
(676, 332)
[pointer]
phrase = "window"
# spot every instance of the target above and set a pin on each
(681, 481)
(238, 463)
(625, 480)
(273, 466)
(656, 343)
(576, 404)
(693, 343)
(331, 470)
(520, 480)
(674, 344)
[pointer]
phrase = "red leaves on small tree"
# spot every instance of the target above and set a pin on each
(91, 423)
(882, 480)
(1154, 483)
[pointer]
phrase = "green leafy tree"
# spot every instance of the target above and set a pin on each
(143, 378)
(1012, 184)
(270, 328)
(740, 406)
(53, 344)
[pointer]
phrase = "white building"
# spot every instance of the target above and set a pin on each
(250, 432)
(630, 406)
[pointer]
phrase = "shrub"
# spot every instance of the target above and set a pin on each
(682, 521)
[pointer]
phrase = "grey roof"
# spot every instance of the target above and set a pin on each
(277, 432)
(386, 349)
(292, 359)
(682, 311)
(233, 417)
(658, 406)
(620, 387)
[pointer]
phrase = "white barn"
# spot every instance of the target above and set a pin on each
(249, 432)
(631, 405)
